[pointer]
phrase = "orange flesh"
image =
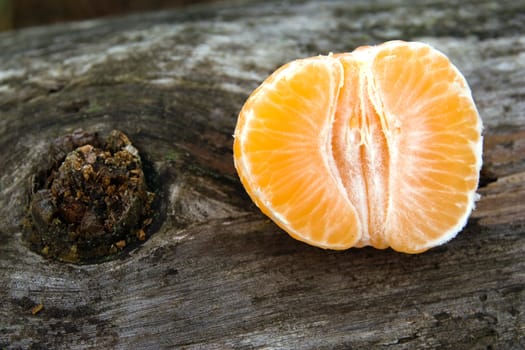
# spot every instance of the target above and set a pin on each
(377, 147)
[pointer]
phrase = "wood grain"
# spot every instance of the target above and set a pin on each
(217, 274)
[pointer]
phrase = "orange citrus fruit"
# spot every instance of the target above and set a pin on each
(381, 146)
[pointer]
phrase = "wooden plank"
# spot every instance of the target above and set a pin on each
(217, 274)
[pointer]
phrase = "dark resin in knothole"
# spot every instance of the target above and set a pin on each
(90, 200)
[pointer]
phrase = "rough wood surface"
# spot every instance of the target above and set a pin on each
(218, 274)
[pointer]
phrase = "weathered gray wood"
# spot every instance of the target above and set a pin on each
(218, 274)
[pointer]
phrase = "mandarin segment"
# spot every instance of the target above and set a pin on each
(283, 153)
(434, 110)
(380, 147)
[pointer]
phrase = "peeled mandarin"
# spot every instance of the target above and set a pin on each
(377, 147)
